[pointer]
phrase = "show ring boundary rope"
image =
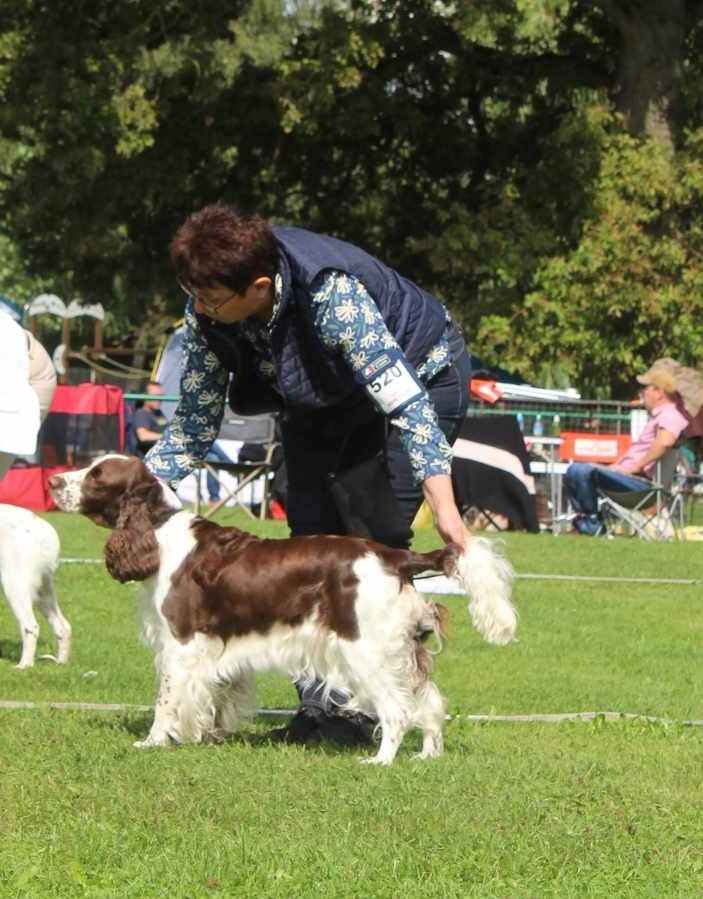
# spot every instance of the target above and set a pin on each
(535, 718)
(441, 584)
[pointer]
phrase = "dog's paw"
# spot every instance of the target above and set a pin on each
(375, 760)
(154, 742)
(421, 756)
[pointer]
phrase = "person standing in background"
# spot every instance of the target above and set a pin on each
(27, 385)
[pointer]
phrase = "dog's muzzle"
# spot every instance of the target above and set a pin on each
(65, 490)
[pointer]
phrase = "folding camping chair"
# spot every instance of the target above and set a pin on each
(259, 433)
(653, 513)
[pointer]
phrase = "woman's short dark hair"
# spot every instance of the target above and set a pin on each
(219, 245)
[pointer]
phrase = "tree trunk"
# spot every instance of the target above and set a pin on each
(651, 34)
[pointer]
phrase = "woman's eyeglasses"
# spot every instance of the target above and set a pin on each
(209, 307)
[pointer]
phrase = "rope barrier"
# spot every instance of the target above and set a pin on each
(135, 372)
(438, 583)
(124, 367)
(559, 717)
(441, 584)
(617, 579)
(535, 718)
(69, 560)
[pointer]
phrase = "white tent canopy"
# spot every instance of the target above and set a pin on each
(528, 392)
(50, 303)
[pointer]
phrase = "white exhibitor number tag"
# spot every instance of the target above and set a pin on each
(393, 387)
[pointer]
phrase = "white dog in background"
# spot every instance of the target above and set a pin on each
(29, 556)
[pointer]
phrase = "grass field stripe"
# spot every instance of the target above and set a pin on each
(533, 718)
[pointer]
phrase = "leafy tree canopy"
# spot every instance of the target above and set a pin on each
(525, 159)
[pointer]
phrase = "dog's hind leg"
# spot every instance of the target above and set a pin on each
(392, 700)
(235, 701)
(19, 595)
(404, 697)
(59, 625)
(429, 715)
(30, 634)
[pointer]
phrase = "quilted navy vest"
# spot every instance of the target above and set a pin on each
(309, 375)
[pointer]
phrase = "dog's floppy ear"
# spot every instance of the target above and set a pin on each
(132, 551)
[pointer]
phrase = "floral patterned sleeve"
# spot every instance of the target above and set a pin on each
(198, 416)
(348, 320)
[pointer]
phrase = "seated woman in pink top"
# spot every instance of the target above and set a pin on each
(635, 468)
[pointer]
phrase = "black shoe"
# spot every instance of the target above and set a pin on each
(348, 729)
(309, 726)
(303, 727)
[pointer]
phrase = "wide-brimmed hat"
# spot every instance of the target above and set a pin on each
(667, 374)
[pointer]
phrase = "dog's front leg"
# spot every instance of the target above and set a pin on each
(393, 729)
(165, 729)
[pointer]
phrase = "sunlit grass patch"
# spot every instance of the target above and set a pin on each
(599, 808)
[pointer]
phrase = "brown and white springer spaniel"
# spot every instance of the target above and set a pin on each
(220, 605)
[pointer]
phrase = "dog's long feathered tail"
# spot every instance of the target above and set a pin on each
(487, 577)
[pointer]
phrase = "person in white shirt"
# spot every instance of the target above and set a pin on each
(27, 384)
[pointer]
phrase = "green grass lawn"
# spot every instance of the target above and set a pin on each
(597, 809)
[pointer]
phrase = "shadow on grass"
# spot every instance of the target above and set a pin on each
(136, 724)
(11, 650)
(270, 738)
(259, 731)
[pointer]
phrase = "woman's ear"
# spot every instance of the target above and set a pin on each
(262, 284)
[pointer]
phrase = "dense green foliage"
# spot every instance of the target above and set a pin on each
(537, 163)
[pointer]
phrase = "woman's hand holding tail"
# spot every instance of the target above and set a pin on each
(439, 495)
